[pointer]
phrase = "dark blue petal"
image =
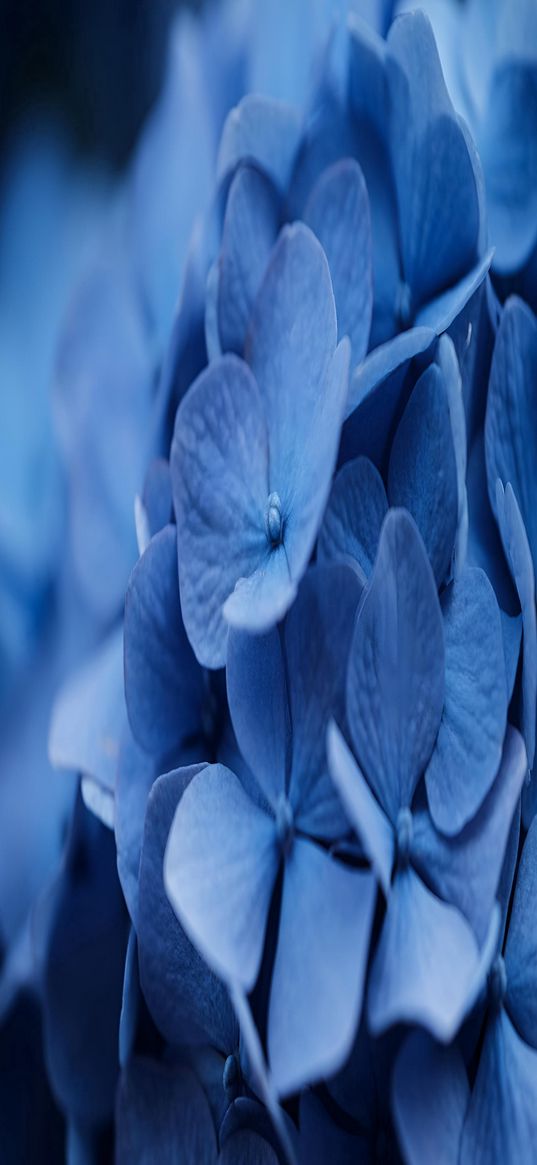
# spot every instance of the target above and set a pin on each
(466, 869)
(517, 552)
(501, 1123)
(153, 509)
(430, 1097)
(162, 1115)
(219, 465)
(353, 517)
(362, 808)
(135, 776)
(249, 233)
(323, 943)
(164, 686)
(322, 1140)
(395, 689)
(442, 311)
(422, 474)
(316, 647)
(257, 697)
(338, 213)
(426, 962)
(511, 422)
(521, 945)
(219, 871)
(468, 748)
(437, 187)
(262, 131)
(187, 1002)
(130, 1004)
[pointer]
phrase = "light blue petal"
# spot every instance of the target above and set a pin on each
(219, 466)
(260, 601)
(468, 748)
(521, 945)
(338, 213)
(465, 869)
(425, 964)
(501, 1123)
(188, 1003)
(323, 942)
(363, 810)
(430, 1097)
(219, 872)
(353, 517)
(262, 131)
(422, 474)
(395, 687)
(164, 685)
(250, 229)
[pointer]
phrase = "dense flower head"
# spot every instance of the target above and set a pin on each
(298, 896)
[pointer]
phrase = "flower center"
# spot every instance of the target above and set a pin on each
(231, 1078)
(405, 831)
(497, 982)
(285, 826)
(404, 309)
(274, 519)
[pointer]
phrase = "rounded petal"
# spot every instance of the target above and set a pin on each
(250, 228)
(354, 515)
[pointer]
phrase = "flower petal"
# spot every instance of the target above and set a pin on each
(521, 944)
(465, 869)
(517, 551)
(501, 1123)
(425, 964)
(219, 465)
(262, 131)
(338, 213)
(353, 517)
(507, 146)
(323, 942)
(164, 686)
(362, 808)
(257, 696)
(163, 1115)
(430, 1097)
(250, 229)
(188, 1003)
(395, 686)
(468, 748)
(219, 871)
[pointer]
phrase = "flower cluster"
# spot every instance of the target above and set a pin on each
(310, 740)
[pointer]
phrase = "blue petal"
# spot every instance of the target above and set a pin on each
(521, 945)
(319, 968)
(262, 131)
(501, 1123)
(517, 551)
(317, 644)
(437, 187)
(322, 1140)
(509, 154)
(425, 964)
(213, 343)
(430, 1097)
(257, 696)
(249, 233)
(89, 718)
(443, 310)
(219, 465)
(465, 869)
(384, 360)
(162, 1115)
(362, 808)
(338, 213)
(353, 517)
(511, 421)
(153, 509)
(422, 474)
(468, 748)
(219, 871)
(248, 1149)
(302, 382)
(130, 1004)
(135, 776)
(164, 685)
(188, 1003)
(261, 600)
(395, 687)
(448, 362)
